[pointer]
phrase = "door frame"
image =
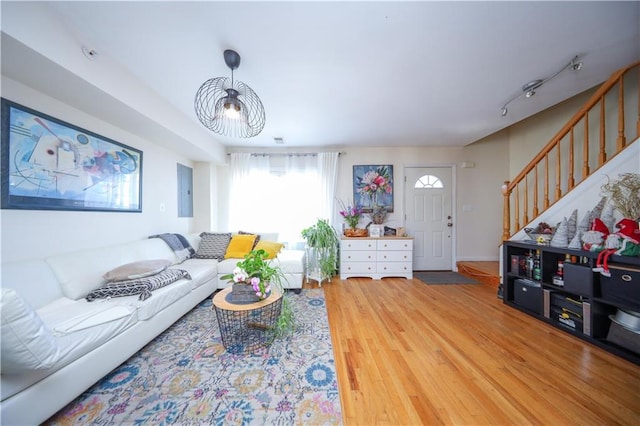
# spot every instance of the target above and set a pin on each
(454, 203)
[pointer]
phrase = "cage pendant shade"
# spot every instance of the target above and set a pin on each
(229, 107)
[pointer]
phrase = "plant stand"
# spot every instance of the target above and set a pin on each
(313, 271)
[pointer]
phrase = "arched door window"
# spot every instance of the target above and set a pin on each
(428, 182)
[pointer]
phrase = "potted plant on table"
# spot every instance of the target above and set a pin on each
(322, 250)
(254, 278)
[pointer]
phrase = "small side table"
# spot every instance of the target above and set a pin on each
(243, 327)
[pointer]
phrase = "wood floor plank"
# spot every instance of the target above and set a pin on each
(408, 353)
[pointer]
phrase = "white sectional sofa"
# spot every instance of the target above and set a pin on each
(56, 344)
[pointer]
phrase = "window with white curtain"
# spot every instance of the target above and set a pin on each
(277, 193)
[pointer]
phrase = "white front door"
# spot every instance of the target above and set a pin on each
(428, 194)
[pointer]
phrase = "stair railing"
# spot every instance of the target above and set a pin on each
(578, 150)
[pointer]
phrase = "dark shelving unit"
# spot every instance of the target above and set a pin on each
(581, 294)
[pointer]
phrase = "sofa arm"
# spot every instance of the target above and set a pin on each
(27, 344)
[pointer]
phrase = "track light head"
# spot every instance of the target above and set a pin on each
(528, 88)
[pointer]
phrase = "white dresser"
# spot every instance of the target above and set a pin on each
(376, 257)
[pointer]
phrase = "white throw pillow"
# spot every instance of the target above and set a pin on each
(27, 344)
(135, 270)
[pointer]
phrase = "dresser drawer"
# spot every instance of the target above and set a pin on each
(364, 244)
(351, 268)
(395, 244)
(359, 256)
(394, 256)
(394, 267)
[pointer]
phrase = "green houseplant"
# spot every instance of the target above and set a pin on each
(261, 276)
(322, 250)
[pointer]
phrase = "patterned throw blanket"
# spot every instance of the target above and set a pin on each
(178, 244)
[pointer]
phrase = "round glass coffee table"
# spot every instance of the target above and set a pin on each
(244, 326)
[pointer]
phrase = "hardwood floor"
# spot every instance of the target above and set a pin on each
(408, 353)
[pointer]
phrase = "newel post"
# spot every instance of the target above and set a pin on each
(506, 213)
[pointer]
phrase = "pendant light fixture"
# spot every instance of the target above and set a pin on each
(529, 89)
(229, 107)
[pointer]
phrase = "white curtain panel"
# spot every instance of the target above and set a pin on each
(328, 172)
(281, 193)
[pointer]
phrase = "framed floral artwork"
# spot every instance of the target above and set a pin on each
(373, 186)
(48, 164)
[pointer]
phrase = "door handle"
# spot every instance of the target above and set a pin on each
(449, 224)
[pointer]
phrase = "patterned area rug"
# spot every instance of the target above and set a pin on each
(443, 277)
(186, 377)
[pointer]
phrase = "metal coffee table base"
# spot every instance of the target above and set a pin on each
(245, 327)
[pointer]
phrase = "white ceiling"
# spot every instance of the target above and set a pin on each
(364, 73)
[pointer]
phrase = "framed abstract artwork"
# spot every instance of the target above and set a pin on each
(373, 186)
(48, 164)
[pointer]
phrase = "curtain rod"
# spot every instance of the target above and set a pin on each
(287, 154)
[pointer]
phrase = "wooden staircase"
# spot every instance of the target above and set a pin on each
(599, 131)
(485, 272)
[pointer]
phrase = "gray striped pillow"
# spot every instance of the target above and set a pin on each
(213, 245)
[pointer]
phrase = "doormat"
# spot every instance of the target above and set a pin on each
(443, 278)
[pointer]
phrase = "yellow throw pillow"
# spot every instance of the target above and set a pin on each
(239, 246)
(272, 248)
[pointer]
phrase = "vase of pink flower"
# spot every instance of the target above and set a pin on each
(352, 213)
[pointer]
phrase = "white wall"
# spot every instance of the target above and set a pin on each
(529, 136)
(479, 187)
(477, 232)
(30, 234)
(34, 34)
(205, 194)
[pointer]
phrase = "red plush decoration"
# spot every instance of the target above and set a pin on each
(625, 242)
(594, 239)
(599, 226)
(629, 229)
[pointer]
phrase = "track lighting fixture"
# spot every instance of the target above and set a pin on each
(529, 89)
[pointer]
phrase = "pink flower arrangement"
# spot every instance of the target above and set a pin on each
(256, 272)
(351, 214)
(240, 276)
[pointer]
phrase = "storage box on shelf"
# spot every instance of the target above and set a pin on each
(623, 286)
(528, 294)
(568, 294)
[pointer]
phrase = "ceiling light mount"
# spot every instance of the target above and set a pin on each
(529, 89)
(90, 54)
(230, 107)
